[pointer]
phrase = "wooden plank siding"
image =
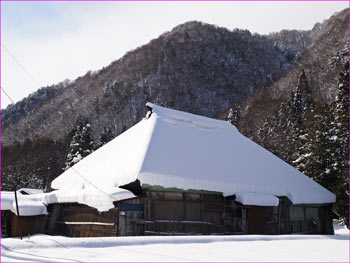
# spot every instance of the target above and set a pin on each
(5, 223)
(183, 213)
(76, 220)
(173, 213)
(30, 224)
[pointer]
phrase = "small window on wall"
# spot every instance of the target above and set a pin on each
(303, 213)
(296, 213)
(304, 220)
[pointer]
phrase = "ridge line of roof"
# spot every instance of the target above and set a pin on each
(179, 115)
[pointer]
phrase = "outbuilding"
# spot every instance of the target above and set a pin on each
(32, 213)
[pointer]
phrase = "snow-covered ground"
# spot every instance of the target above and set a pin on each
(314, 248)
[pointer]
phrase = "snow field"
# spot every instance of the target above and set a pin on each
(245, 248)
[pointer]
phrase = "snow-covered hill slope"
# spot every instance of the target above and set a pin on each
(284, 248)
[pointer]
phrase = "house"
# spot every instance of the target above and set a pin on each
(32, 213)
(187, 174)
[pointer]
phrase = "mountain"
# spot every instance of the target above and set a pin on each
(323, 59)
(326, 49)
(195, 67)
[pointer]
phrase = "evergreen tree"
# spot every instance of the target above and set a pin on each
(293, 116)
(82, 143)
(234, 115)
(340, 141)
(324, 154)
(341, 124)
(286, 130)
(316, 153)
(283, 133)
(301, 100)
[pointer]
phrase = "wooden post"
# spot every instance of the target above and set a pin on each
(19, 218)
(117, 209)
(279, 216)
(224, 218)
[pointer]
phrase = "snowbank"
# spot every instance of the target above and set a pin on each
(257, 199)
(177, 149)
(240, 248)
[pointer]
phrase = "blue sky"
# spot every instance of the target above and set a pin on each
(59, 40)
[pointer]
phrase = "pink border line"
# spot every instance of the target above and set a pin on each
(174, 1)
(140, 1)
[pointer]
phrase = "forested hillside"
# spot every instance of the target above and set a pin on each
(195, 67)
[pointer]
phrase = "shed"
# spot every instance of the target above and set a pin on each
(178, 162)
(86, 212)
(31, 210)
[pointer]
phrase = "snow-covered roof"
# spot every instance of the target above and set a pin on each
(258, 199)
(28, 205)
(30, 191)
(102, 200)
(177, 149)
(35, 204)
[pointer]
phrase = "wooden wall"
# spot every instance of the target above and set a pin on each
(174, 213)
(310, 219)
(130, 212)
(5, 223)
(27, 222)
(183, 213)
(30, 225)
(76, 220)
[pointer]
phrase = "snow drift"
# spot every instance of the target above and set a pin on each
(238, 248)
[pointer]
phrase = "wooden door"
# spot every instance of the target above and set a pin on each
(257, 219)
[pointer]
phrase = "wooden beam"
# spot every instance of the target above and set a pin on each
(85, 223)
(19, 218)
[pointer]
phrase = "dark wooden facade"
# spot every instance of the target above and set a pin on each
(185, 213)
(171, 213)
(10, 225)
(76, 220)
